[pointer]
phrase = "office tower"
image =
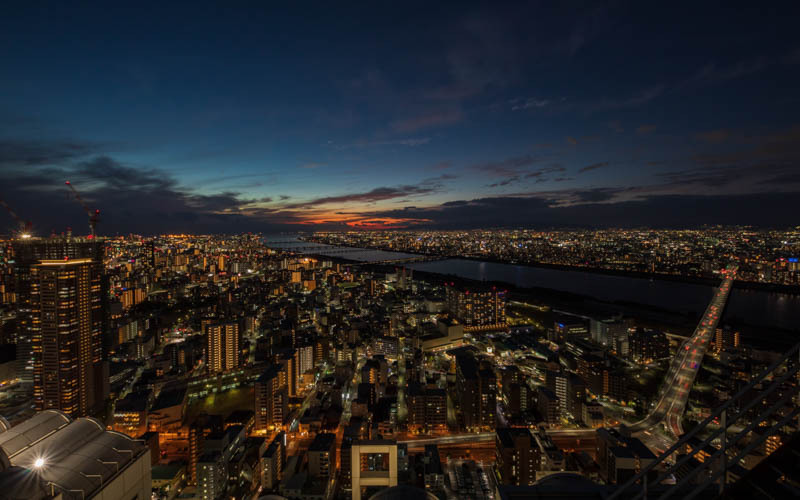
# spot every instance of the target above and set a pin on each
(726, 338)
(514, 449)
(477, 308)
(566, 327)
(270, 400)
(223, 346)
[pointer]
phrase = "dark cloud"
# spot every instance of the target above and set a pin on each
(596, 195)
(505, 182)
(530, 102)
(541, 172)
(508, 166)
(131, 198)
(106, 170)
(653, 211)
(378, 194)
(593, 166)
(21, 153)
(512, 170)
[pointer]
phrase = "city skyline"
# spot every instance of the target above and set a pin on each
(442, 250)
(223, 120)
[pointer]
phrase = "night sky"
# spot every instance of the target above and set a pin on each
(198, 117)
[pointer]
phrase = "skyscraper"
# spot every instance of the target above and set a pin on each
(60, 322)
(223, 346)
(29, 253)
(67, 342)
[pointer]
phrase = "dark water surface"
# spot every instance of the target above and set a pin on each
(754, 307)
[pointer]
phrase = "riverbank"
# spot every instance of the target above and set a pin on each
(694, 280)
(682, 322)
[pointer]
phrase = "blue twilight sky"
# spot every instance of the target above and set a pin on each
(259, 116)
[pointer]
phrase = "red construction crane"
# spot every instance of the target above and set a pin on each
(94, 216)
(25, 227)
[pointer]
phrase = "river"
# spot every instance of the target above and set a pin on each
(754, 307)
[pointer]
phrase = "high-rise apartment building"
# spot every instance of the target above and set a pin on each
(31, 252)
(270, 400)
(514, 449)
(223, 346)
(60, 286)
(427, 407)
(726, 338)
(67, 329)
(477, 390)
(272, 462)
(477, 308)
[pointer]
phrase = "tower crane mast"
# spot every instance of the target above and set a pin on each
(94, 215)
(25, 227)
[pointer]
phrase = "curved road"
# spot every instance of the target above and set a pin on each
(685, 365)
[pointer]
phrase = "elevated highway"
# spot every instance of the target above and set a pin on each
(682, 372)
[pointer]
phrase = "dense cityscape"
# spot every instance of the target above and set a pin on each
(232, 367)
(399, 250)
(763, 256)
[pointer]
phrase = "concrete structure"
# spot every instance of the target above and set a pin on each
(514, 449)
(50, 455)
(270, 400)
(273, 461)
(477, 393)
(477, 309)
(363, 474)
(322, 456)
(223, 346)
(29, 253)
